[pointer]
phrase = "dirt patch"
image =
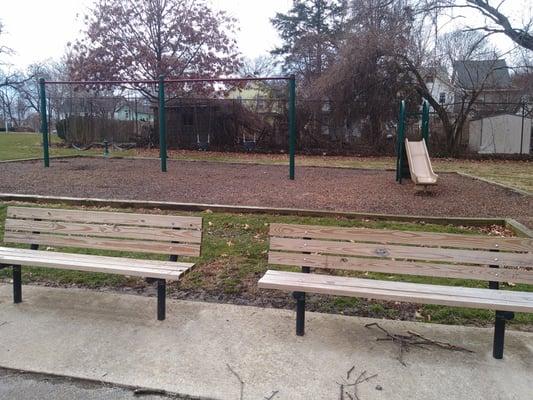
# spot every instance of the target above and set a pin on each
(263, 185)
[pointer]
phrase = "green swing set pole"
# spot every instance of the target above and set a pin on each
(292, 125)
(400, 145)
(425, 121)
(44, 122)
(162, 125)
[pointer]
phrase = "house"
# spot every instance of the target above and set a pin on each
(500, 134)
(224, 124)
(137, 110)
(439, 85)
(489, 77)
(258, 97)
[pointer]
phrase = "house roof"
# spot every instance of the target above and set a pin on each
(439, 72)
(474, 74)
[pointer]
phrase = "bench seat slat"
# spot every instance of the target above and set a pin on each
(103, 243)
(402, 252)
(95, 259)
(104, 230)
(402, 267)
(105, 217)
(504, 300)
(403, 237)
(90, 263)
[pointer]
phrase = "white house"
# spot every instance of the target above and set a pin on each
(439, 85)
(500, 134)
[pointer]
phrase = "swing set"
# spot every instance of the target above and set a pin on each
(249, 144)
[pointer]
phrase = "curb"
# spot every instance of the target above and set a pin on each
(198, 207)
(502, 185)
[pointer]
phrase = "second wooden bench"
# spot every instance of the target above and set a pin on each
(492, 259)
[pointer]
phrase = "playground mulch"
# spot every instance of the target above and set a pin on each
(338, 189)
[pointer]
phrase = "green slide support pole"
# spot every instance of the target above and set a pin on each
(400, 144)
(425, 121)
(44, 122)
(292, 125)
(162, 125)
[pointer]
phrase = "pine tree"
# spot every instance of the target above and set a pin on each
(311, 31)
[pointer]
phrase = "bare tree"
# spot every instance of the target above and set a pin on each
(496, 21)
(474, 65)
(259, 67)
(364, 82)
(142, 39)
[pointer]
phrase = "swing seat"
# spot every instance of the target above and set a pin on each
(249, 145)
(203, 146)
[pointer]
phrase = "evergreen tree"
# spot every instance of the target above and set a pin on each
(311, 31)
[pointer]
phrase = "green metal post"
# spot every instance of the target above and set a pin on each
(44, 122)
(400, 144)
(162, 125)
(425, 121)
(292, 125)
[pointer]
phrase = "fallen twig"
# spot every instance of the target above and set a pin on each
(240, 380)
(404, 342)
(349, 372)
(149, 392)
(360, 379)
(274, 394)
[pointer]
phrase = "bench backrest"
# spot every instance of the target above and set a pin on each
(403, 252)
(144, 233)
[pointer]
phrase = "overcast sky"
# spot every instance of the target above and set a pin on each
(39, 29)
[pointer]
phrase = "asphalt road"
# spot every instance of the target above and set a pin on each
(28, 386)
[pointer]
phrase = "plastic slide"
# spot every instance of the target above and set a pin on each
(419, 163)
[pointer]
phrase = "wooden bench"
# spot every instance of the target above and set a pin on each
(134, 233)
(485, 258)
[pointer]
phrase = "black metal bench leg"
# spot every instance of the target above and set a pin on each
(499, 333)
(161, 299)
(300, 313)
(17, 284)
(300, 307)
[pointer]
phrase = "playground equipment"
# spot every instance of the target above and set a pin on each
(412, 157)
(158, 87)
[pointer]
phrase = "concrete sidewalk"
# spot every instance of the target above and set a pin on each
(117, 339)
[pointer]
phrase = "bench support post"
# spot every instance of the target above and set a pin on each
(499, 323)
(161, 299)
(17, 284)
(300, 308)
(499, 332)
(300, 312)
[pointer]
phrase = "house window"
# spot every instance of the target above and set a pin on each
(442, 97)
(127, 114)
(188, 119)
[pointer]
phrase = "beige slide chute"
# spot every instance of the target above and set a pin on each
(419, 163)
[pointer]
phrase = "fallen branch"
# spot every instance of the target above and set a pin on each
(405, 342)
(349, 372)
(149, 392)
(240, 380)
(360, 379)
